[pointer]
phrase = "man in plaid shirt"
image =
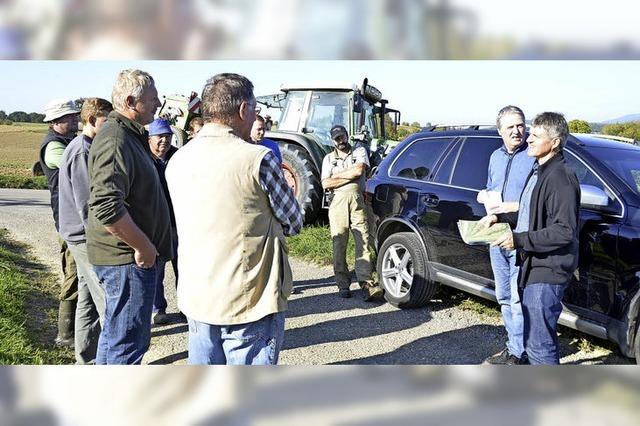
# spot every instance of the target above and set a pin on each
(233, 209)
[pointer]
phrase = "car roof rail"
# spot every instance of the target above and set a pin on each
(446, 127)
(612, 137)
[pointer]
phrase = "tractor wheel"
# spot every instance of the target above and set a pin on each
(179, 137)
(303, 178)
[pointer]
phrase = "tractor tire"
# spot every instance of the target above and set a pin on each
(304, 179)
(179, 137)
(403, 271)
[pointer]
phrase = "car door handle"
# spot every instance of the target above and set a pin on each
(430, 200)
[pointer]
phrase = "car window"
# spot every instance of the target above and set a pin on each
(586, 176)
(473, 162)
(625, 163)
(445, 169)
(417, 160)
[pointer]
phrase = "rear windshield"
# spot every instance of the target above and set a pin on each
(623, 162)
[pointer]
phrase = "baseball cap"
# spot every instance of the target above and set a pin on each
(59, 108)
(338, 130)
(159, 126)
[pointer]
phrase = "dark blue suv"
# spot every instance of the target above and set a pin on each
(431, 180)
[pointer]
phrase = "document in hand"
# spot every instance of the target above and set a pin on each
(475, 233)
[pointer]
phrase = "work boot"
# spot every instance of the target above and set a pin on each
(371, 291)
(66, 321)
(160, 317)
(345, 293)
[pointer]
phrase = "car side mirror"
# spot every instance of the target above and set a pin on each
(592, 196)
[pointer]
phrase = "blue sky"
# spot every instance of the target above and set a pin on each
(434, 91)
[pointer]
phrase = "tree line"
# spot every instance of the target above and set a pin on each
(20, 117)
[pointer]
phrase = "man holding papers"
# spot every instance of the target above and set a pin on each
(509, 167)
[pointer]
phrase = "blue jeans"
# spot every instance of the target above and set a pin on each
(254, 343)
(542, 306)
(126, 333)
(160, 302)
(505, 272)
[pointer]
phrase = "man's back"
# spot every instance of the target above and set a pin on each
(232, 255)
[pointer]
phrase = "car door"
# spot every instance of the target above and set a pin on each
(593, 286)
(409, 173)
(455, 184)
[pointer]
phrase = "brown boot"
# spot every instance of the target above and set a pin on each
(66, 321)
(371, 291)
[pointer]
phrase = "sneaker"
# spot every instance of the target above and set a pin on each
(371, 292)
(160, 317)
(345, 293)
(505, 358)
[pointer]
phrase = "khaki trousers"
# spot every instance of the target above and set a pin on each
(347, 213)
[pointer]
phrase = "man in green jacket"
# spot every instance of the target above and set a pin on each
(128, 224)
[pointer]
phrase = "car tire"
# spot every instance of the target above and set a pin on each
(302, 176)
(403, 271)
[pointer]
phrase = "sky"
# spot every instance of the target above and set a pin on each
(439, 92)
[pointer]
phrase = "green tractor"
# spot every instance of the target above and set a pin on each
(307, 113)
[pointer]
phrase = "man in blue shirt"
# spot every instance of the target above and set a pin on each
(509, 167)
(257, 136)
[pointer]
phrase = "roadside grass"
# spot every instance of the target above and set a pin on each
(19, 145)
(27, 309)
(313, 244)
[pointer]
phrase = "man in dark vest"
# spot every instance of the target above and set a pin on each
(62, 116)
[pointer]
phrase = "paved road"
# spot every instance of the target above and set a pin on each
(320, 328)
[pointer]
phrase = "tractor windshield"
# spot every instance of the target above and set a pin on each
(292, 112)
(327, 109)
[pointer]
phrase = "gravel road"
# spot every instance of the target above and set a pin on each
(321, 328)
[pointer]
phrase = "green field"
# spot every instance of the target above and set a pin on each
(19, 146)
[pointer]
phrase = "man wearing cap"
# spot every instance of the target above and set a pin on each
(62, 117)
(160, 134)
(343, 175)
(129, 225)
(72, 206)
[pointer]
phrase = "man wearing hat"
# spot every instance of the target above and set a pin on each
(343, 175)
(160, 134)
(62, 116)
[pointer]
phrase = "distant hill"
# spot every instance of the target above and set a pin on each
(624, 119)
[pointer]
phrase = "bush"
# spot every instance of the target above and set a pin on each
(627, 130)
(579, 126)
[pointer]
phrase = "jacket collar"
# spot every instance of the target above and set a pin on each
(217, 130)
(134, 126)
(553, 162)
(519, 148)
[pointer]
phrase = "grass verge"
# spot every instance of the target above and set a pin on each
(27, 309)
(23, 182)
(313, 244)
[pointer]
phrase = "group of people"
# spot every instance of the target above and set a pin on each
(123, 197)
(125, 202)
(532, 266)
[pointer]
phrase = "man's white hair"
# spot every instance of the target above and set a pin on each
(130, 82)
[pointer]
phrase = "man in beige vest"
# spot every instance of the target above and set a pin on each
(344, 174)
(233, 209)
